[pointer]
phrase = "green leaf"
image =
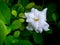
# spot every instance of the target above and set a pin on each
(22, 27)
(16, 33)
(49, 18)
(9, 40)
(9, 2)
(15, 24)
(4, 13)
(38, 7)
(25, 42)
(21, 20)
(24, 2)
(49, 32)
(15, 42)
(20, 8)
(14, 7)
(1, 0)
(3, 31)
(8, 30)
(54, 16)
(30, 5)
(38, 38)
(25, 34)
(21, 15)
(14, 12)
(51, 7)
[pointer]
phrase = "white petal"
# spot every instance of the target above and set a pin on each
(46, 27)
(35, 24)
(26, 15)
(40, 30)
(35, 11)
(44, 12)
(31, 15)
(32, 10)
(41, 23)
(42, 17)
(29, 20)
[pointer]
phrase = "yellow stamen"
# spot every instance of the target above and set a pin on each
(36, 19)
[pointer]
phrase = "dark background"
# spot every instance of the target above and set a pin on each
(39, 2)
(52, 39)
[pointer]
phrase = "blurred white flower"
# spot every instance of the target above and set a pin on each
(37, 20)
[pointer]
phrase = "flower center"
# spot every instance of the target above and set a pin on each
(36, 19)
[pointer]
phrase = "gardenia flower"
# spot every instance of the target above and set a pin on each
(37, 20)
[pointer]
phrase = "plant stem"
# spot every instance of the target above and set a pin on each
(42, 4)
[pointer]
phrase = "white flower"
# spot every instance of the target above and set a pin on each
(37, 20)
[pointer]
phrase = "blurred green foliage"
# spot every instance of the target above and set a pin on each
(15, 25)
(30, 5)
(3, 31)
(16, 33)
(5, 14)
(38, 38)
